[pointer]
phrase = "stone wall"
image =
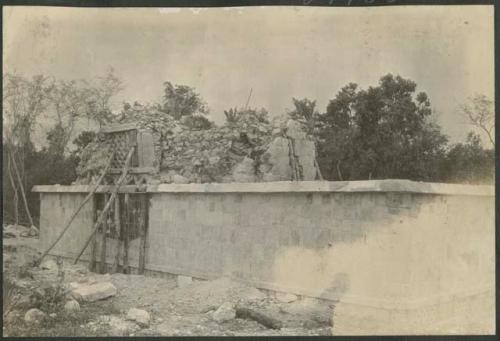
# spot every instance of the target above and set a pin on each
(398, 256)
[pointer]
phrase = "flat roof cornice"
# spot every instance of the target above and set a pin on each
(404, 186)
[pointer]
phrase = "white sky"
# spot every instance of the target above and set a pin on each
(280, 52)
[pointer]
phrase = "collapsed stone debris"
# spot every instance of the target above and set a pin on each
(250, 149)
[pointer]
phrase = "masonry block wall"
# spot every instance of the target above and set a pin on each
(396, 256)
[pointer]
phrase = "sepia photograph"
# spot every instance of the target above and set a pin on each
(248, 171)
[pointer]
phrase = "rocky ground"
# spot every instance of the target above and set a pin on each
(55, 299)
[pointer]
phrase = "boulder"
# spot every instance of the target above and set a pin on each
(94, 292)
(140, 316)
(224, 313)
(71, 306)
(34, 316)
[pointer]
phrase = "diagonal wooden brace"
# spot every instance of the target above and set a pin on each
(87, 198)
(108, 203)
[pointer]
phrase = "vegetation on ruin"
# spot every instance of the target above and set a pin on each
(385, 131)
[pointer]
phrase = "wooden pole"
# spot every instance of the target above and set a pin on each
(22, 189)
(126, 234)
(14, 187)
(248, 100)
(93, 252)
(143, 228)
(119, 231)
(104, 228)
(108, 204)
(87, 198)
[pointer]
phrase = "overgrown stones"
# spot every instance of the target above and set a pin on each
(251, 148)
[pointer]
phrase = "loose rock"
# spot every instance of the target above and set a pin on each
(284, 297)
(49, 264)
(120, 327)
(140, 316)
(34, 316)
(224, 313)
(71, 306)
(94, 292)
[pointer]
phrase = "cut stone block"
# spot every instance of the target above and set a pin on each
(94, 292)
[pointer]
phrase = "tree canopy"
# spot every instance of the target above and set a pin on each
(385, 131)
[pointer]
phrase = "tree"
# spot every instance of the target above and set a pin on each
(23, 101)
(469, 162)
(182, 100)
(336, 133)
(306, 113)
(69, 103)
(479, 112)
(382, 132)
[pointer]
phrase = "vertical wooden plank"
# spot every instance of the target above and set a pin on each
(93, 251)
(103, 239)
(145, 147)
(119, 232)
(126, 224)
(143, 231)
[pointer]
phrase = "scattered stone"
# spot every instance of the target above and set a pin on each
(53, 315)
(94, 292)
(140, 316)
(34, 316)
(71, 306)
(183, 281)
(224, 313)
(120, 327)
(49, 264)
(253, 295)
(285, 297)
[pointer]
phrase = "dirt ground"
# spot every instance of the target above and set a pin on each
(175, 311)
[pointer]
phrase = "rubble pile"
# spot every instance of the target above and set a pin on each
(249, 147)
